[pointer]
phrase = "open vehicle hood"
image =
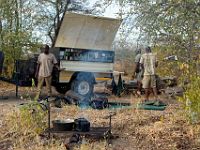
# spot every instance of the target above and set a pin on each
(87, 32)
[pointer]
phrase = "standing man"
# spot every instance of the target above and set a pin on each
(149, 63)
(46, 62)
(138, 71)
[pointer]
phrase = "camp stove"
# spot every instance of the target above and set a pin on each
(96, 132)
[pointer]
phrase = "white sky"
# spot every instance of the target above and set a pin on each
(113, 11)
(110, 10)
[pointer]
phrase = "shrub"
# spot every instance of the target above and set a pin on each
(29, 119)
(191, 100)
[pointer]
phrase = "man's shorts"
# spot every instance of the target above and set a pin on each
(149, 81)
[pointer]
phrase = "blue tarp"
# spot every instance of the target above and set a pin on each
(143, 106)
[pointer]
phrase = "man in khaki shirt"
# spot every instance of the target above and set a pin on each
(148, 62)
(46, 62)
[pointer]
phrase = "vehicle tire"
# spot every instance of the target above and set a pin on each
(83, 87)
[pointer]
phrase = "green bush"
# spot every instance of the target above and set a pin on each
(30, 119)
(191, 100)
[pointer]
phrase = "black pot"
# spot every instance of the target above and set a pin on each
(63, 125)
(82, 125)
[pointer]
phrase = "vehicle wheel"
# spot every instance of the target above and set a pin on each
(83, 87)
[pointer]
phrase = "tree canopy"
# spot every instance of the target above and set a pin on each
(174, 22)
(24, 25)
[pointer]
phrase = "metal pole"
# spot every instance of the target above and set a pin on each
(17, 78)
(49, 118)
(110, 125)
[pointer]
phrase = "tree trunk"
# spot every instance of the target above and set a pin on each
(59, 19)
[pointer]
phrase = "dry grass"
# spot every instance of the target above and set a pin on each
(137, 129)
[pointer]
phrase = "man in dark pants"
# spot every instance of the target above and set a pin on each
(46, 62)
(138, 71)
(149, 63)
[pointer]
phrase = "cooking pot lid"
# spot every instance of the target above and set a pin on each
(81, 119)
(69, 120)
(63, 121)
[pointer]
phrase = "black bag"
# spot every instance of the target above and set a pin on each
(99, 103)
(26, 70)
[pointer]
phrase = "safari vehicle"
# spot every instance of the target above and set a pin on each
(84, 50)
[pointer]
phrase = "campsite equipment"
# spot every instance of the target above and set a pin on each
(74, 97)
(84, 125)
(99, 103)
(81, 125)
(113, 86)
(152, 105)
(63, 125)
(120, 86)
(154, 102)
